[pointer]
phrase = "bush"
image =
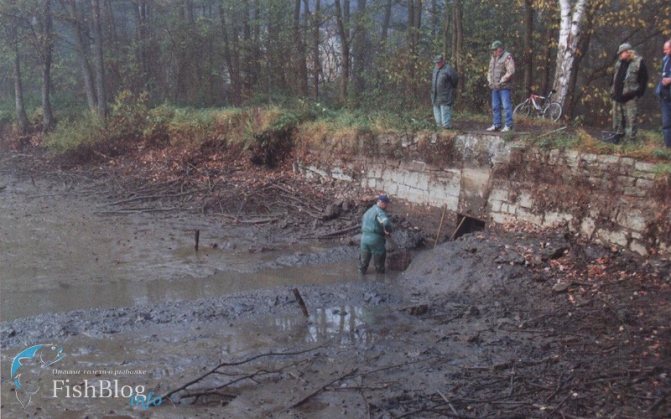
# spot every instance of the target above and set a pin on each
(71, 135)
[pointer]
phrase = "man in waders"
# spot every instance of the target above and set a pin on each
(375, 225)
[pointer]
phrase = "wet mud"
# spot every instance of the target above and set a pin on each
(493, 324)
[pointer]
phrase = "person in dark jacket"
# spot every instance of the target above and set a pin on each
(630, 78)
(443, 83)
(375, 226)
(663, 91)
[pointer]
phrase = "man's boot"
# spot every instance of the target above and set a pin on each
(378, 261)
(364, 260)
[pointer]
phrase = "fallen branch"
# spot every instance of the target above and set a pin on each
(338, 232)
(301, 303)
(136, 211)
(150, 197)
(318, 390)
(232, 364)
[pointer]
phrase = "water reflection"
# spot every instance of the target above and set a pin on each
(346, 325)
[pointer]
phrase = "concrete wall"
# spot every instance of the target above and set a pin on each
(610, 199)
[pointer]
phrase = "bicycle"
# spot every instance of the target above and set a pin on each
(541, 106)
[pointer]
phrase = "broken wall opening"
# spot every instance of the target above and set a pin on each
(466, 225)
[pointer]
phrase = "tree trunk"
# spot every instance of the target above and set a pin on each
(528, 46)
(47, 53)
(142, 16)
(570, 33)
(344, 46)
(21, 117)
(583, 47)
(81, 46)
(434, 19)
(99, 59)
(300, 60)
(316, 58)
(230, 53)
(385, 26)
(360, 51)
(458, 41)
(547, 59)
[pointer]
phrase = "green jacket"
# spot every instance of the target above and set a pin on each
(443, 83)
(373, 224)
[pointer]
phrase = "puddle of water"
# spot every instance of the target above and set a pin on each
(122, 292)
(345, 325)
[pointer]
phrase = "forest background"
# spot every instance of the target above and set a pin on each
(63, 61)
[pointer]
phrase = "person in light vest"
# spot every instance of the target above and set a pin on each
(375, 226)
(499, 77)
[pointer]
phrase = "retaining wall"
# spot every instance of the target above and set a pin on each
(606, 198)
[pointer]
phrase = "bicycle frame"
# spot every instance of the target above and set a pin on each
(540, 106)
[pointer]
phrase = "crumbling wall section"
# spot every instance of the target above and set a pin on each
(610, 199)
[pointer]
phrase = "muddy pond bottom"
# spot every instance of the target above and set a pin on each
(159, 359)
(123, 292)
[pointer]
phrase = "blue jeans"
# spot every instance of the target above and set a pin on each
(666, 121)
(443, 115)
(502, 97)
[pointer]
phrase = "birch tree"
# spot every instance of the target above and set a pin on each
(570, 33)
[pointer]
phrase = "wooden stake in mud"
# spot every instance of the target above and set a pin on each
(456, 230)
(301, 303)
(197, 238)
(440, 226)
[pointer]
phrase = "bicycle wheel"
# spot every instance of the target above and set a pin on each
(553, 111)
(522, 110)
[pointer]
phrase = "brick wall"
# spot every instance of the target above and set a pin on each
(606, 198)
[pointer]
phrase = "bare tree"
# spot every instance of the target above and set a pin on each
(528, 45)
(570, 34)
(20, 109)
(342, 21)
(46, 40)
(99, 59)
(76, 20)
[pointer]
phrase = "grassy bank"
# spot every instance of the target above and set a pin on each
(133, 124)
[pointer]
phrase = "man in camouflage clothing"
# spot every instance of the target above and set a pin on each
(630, 78)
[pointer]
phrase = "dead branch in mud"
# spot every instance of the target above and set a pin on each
(251, 376)
(301, 303)
(153, 197)
(215, 370)
(335, 233)
(319, 389)
(137, 211)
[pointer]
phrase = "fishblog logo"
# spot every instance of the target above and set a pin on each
(99, 389)
(29, 366)
(106, 389)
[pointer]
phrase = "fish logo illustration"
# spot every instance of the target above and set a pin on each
(43, 355)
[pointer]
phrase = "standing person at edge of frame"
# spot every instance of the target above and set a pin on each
(630, 77)
(443, 83)
(375, 225)
(663, 91)
(499, 77)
